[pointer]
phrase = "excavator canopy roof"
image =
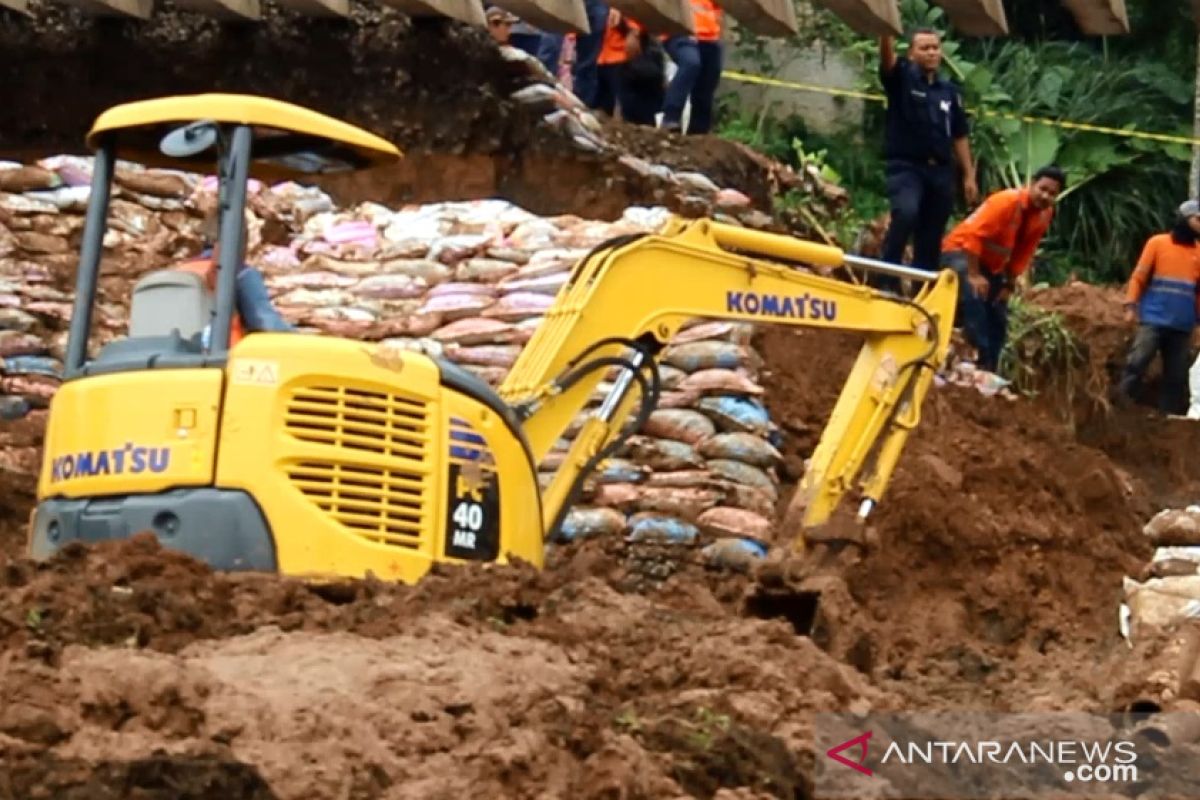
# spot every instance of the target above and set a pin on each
(288, 139)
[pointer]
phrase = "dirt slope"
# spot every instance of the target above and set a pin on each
(993, 583)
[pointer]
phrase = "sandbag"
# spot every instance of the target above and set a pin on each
(391, 287)
(620, 470)
(742, 473)
(14, 319)
(695, 356)
(316, 298)
(406, 324)
(683, 425)
(428, 270)
(485, 270)
(678, 399)
(458, 287)
(684, 478)
(719, 381)
(519, 305)
(686, 504)
(27, 179)
(457, 306)
(1162, 602)
(484, 355)
(510, 254)
(669, 378)
(15, 343)
(744, 447)
(310, 281)
(660, 528)
(1176, 526)
(476, 330)
(733, 553)
(543, 284)
(736, 332)
(582, 523)
(751, 498)
(662, 455)
(738, 522)
(31, 365)
(623, 496)
(320, 262)
(737, 414)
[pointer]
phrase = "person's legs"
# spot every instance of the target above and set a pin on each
(904, 188)
(704, 91)
(585, 74)
(937, 202)
(549, 51)
(972, 315)
(997, 333)
(529, 42)
(1175, 347)
(1145, 347)
(640, 103)
(608, 83)
(686, 55)
(254, 304)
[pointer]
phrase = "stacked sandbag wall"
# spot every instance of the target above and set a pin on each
(468, 282)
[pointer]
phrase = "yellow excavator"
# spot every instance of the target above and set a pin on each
(321, 456)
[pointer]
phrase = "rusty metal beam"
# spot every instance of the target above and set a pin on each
(659, 16)
(765, 17)
(1100, 17)
(468, 11)
(976, 17)
(319, 8)
(224, 9)
(868, 17)
(556, 16)
(139, 9)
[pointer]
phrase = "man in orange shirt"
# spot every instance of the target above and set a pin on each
(1163, 297)
(630, 72)
(993, 247)
(697, 70)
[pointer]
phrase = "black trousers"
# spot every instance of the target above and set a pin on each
(921, 198)
(1175, 347)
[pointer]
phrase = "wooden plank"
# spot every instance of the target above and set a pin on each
(224, 9)
(139, 9)
(554, 16)
(22, 6)
(318, 8)
(766, 17)
(867, 17)
(976, 17)
(468, 11)
(659, 16)
(1100, 17)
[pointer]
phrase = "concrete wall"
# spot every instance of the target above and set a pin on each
(816, 65)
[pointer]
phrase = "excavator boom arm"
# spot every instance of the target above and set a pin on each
(628, 299)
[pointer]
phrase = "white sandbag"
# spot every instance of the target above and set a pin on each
(457, 306)
(519, 305)
(744, 447)
(484, 270)
(484, 355)
(391, 287)
(476, 330)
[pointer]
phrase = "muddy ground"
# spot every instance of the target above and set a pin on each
(992, 582)
(991, 579)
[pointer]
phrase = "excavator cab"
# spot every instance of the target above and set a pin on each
(320, 456)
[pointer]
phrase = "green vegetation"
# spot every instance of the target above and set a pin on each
(1122, 189)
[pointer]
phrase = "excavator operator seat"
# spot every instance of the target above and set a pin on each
(167, 300)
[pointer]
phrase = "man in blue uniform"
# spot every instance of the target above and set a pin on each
(926, 130)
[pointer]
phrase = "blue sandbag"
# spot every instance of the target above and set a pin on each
(620, 470)
(33, 365)
(662, 529)
(735, 414)
(582, 523)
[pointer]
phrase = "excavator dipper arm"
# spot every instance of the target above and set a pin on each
(627, 299)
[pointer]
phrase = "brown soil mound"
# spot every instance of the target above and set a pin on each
(992, 581)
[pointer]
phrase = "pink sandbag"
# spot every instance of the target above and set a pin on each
(519, 305)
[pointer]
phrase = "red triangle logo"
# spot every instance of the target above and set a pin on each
(835, 753)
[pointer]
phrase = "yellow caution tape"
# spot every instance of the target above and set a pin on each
(1078, 126)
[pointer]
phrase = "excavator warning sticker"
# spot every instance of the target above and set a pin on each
(473, 514)
(255, 372)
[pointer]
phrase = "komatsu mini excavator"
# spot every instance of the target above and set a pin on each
(321, 457)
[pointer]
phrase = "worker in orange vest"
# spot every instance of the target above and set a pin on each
(254, 310)
(697, 70)
(991, 249)
(631, 71)
(1163, 298)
